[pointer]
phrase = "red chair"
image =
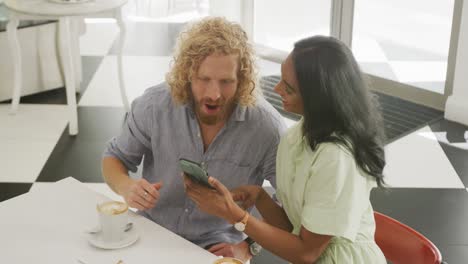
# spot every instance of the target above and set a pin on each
(403, 245)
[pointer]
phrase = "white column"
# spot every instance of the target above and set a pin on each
(248, 17)
(456, 107)
(342, 20)
(229, 9)
(240, 11)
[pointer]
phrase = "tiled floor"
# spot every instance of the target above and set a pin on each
(28, 138)
(407, 168)
(427, 170)
(106, 30)
(140, 72)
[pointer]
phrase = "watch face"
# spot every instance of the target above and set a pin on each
(255, 249)
(239, 226)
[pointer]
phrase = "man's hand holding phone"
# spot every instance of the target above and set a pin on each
(141, 194)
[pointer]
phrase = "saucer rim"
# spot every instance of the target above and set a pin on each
(133, 236)
(69, 3)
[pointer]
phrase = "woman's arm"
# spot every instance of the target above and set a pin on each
(271, 212)
(305, 248)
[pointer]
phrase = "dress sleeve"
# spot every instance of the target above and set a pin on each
(336, 195)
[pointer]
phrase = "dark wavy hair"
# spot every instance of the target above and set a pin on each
(338, 106)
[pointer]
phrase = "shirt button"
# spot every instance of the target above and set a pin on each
(198, 135)
(186, 210)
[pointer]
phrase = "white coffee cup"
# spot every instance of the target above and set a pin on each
(113, 217)
(227, 260)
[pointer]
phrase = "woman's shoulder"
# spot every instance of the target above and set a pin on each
(334, 151)
(339, 156)
(294, 133)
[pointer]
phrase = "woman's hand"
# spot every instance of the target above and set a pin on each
(218, 202)
(246, 196)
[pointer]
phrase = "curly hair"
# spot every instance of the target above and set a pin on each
(209, 36)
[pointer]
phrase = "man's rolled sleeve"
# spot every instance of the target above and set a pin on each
(134, 140)
(269, 161)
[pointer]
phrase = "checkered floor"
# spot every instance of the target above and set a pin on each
(427, 169)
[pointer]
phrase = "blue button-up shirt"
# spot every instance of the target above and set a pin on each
(243, 153)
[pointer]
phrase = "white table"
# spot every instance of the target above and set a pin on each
(43, 9)
(46, 226)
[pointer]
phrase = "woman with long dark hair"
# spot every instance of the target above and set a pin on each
(327, 165)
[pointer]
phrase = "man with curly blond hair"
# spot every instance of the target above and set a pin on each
(208, 111)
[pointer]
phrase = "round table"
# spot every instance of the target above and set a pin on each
(63, 12)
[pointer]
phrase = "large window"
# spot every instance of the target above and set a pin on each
(404, 41)
(278, 23)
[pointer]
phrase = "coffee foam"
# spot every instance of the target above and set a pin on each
(112, 208)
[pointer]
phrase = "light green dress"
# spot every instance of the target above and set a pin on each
(325, 191)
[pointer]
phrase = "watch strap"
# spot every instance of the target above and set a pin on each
(241, 225)
(249, 240)
(245, 218)
(254, 247)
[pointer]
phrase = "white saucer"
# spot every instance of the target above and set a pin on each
(69, 2)
(131, 236)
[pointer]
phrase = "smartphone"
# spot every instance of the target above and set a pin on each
(195, 172)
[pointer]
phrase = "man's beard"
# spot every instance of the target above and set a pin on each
(221, 116)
